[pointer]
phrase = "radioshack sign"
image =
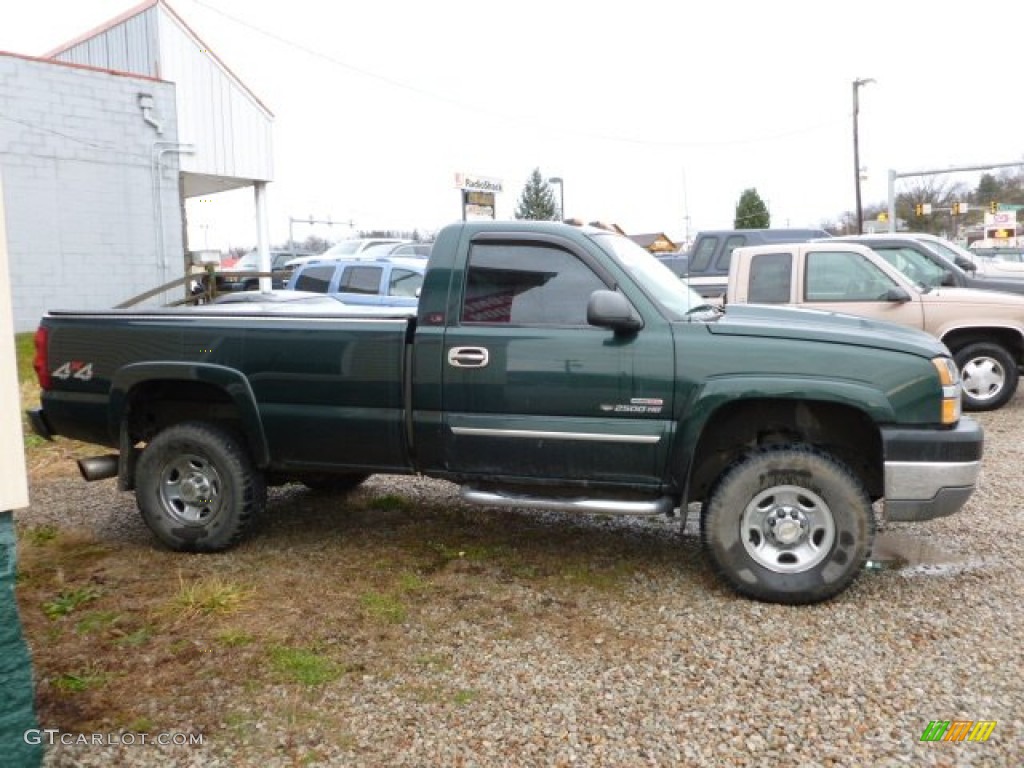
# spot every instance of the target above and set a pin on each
(469, 183)
(477, 195)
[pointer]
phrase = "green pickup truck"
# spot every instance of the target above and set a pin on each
(546, 366)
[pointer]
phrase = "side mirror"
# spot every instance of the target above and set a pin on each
(965, 264)
(897, 295)
(610, 309)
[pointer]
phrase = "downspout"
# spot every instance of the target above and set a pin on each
(146, 104)
(161, 148)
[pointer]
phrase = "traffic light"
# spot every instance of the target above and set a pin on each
(919, 209)
(955, 209)
(993, 207)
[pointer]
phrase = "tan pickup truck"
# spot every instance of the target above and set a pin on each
(984, 330)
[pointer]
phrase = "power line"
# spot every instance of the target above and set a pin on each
(544, 121)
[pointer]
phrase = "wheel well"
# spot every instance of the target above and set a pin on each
(842, 431)
(155, 405)
(1007, 338)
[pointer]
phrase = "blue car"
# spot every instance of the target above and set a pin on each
(385, 282)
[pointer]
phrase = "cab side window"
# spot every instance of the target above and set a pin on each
(732, 242)
(364, 280)
(701, 259)
(844, 276)
(404, 282)
(527, 284)
(316, 279)
(771, 278)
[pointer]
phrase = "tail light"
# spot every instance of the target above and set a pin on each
(40, 362)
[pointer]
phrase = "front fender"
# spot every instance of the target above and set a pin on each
(229, 380)
(719, 392)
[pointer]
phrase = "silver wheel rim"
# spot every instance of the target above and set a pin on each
(983, 378)
(787, 529)
(191, 490)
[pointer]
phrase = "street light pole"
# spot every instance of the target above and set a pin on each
(856, 151)
(561, 194)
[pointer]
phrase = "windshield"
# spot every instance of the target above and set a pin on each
(913, 264)
(344, 248)
(659, 281)
(950, 250)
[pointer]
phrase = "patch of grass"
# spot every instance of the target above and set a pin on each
(412, 582)
(303, 665)
(40, 534)
(383, 607)
(68, 600)
(208, 596)
(389, 503)
(587, 575)
(134, 639)
(464, 697)
(24, 351)
(476, 553)
(71, 682)
(233, 638)
(141, 725)
(96, 621)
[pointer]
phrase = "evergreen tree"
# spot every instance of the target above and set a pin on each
(537, 201)
(751, 212)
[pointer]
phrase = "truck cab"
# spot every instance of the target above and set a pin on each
(707, 262)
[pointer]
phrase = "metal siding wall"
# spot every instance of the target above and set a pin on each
(232, 133)
(127, 47)
(230, 130)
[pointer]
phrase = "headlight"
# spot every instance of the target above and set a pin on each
(949, 379)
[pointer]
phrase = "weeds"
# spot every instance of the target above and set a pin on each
(234, 638)
(97, 621)
(41, 534)
(389, 503)
(69, 682)
(383, 607)
(134, 639)
(209, 596)
(68, 600)
(305, 666)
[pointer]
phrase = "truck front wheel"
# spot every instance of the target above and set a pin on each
(989, 376)
(788, 524)
(197, 489)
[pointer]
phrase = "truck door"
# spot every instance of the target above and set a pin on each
(846, 281)
(532, 392)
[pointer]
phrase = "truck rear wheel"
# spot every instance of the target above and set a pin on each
(989, 376)
(197, 489)
(788, 524)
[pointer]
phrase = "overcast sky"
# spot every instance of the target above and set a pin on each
(657, 114)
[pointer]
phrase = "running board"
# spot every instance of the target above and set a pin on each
(662, 506)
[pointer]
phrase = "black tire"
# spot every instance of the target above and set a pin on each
(329, 483)
(197, 488)
(788, 524)
(989, 376)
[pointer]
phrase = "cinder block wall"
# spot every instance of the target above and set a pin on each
(87, 207)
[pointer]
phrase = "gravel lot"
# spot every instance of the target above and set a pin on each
(664, 667)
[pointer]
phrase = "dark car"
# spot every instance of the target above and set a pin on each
(240, 277)
(921, 262)
(677, 262)
(707, 266)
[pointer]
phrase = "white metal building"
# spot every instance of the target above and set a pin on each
(102, 141)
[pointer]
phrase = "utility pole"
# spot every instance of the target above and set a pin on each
(856, 151)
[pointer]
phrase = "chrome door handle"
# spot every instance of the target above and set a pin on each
(468, 357)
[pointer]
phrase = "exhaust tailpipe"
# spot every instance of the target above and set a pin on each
(99, 467)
